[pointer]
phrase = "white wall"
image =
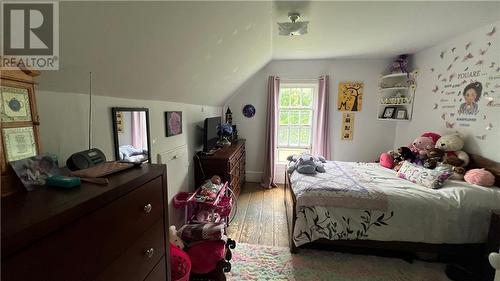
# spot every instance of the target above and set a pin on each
(428, 110)
(64, 123)
(370, 135)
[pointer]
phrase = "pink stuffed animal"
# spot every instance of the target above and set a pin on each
(420, 145)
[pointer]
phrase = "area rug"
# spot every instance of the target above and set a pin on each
(257, 262)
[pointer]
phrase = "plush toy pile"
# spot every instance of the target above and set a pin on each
(440, 153)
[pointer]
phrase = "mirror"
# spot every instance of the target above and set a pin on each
(131, 133)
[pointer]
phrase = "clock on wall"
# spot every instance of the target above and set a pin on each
(248, 111)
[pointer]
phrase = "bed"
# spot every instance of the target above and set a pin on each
(366, 205)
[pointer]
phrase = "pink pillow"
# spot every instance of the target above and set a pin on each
(480, 177)
(386, 160)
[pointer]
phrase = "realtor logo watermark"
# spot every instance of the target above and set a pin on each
(30, 35)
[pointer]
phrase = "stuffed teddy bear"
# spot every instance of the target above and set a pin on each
(434, 156)
(453, 145)
(393, 159)
(174, 238)
(306, 164)
(455, 158)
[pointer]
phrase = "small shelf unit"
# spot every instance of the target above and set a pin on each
(397, 91)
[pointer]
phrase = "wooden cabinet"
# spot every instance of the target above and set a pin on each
(227, 162)
(113, 232)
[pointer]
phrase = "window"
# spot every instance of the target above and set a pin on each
(296, 106)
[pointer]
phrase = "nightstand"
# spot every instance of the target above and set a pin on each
(493, 243)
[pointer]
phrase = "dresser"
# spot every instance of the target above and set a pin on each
(227, 162)
(93, 232)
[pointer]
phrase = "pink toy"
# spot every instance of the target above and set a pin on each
(205, 255)
(421, 144)
(386, 160)
(432, 135)
(480, 177)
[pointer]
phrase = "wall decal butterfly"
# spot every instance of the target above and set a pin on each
(489, 127)
(468, 45)
(468, 56)
(456, 58)
(452, 114)
(467, 68)
(484, 117)
(443, 116)
(443, 80)
(460, 99)
(436, 88)
(492, 32)
(439, 76)
(492, 64)
(481, 137)
(498, 69)
(449, 125)
(441, 55)
(464, 82)
(435, 106)
(479, 62)
(482, 52)
(453, 49)
(451, 76)
(449, 67)
(490, 103)
(432, 69)
(442, 91)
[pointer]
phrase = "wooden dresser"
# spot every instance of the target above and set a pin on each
(94, 232)
(227, 162)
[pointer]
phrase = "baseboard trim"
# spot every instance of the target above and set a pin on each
(253, 176)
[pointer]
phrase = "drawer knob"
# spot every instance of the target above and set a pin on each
(148, 208)
(150, 252)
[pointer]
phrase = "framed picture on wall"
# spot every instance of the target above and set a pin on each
(389, 112)
(401, 113)
(173, 123)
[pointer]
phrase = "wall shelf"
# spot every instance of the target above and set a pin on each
(397, 85)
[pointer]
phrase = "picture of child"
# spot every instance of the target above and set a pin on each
(472, 94)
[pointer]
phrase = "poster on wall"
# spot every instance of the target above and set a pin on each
(173, 123)
(466, 83)
(350, 96)
(347, 126)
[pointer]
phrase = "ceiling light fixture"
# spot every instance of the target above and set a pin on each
(293, 28)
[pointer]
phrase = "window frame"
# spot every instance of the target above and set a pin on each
(290, 108)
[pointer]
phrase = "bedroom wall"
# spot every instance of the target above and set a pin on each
(437, 102)
(370, 135)
(64, 123)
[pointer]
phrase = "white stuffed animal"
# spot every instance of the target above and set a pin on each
(174, 238)
(453, 145)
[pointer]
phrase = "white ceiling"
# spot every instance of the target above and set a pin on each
(200, 52)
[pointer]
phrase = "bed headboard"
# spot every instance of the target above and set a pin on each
(477, 161)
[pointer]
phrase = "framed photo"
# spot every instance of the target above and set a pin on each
(19, 143)
(401, 113)
(347, 126)
(34, 171)
(173, 123)
(15, 104)
(389, 112)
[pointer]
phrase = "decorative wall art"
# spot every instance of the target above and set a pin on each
(173, 123)
(467, 84)
(119, 122)
(350, 96)
(347, 126)
(19, 143)
(15, 104)
(248, 111)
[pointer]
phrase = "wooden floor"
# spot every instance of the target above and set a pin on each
(260, 217)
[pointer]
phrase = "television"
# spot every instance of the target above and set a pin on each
(210, 136)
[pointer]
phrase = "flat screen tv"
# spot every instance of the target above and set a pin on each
(210, 136)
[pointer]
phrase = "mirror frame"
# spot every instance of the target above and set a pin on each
(114, 110)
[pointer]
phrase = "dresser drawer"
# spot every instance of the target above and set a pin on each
(83, 249)
(140, 259)
(159, 273)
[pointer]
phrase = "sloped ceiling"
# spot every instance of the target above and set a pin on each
(376, 29)
(191, 52)
(200, 52)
